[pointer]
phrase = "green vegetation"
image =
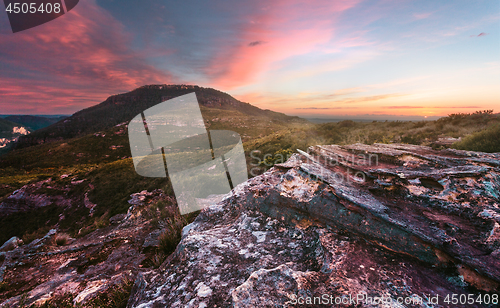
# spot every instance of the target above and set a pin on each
(349, 132)
(169, 214)
(4, 286)
(112, 184)
(487, 140)
(87, 161)
(6, 131)
(6, 127)
(172, 235)
(62, 239)
(29, 225)
(103, 161)
(278, 157)
(114, 298)
(98, 166)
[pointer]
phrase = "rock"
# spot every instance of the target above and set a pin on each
(11, 244)
(85, 267)
(141, 197)
(89, 204)
(396, 222)
(117, 218)
(152, 240)
(274, 286)
(27, 198)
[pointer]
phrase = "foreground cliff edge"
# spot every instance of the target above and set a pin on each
(393, 222)
(339, 225)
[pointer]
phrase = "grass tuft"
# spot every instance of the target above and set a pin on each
(62, 239)
(171, 237)
(482, 141)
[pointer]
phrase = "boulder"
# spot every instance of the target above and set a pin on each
(11, 244)
(360, 224)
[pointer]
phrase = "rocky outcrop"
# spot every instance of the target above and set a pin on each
(81, 268)
(11, 244)
(29, 197)
(121, 108)
(358, 226)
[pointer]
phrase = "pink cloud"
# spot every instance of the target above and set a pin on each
(70, 63)
(286, 33)
(419, 16)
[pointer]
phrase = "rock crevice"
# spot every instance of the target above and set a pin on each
(393, 220)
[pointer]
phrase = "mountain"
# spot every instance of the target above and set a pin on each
(75, 208)
(123, 107)
(34, 122)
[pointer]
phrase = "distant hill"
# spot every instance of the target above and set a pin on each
(10, 132)
(123, 107)
(6, 126)
(9, 129)
(34, 122)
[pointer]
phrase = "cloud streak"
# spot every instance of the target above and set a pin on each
(319, 108)
(255, 43)
(480, 34)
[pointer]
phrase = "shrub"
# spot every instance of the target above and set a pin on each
(395, 123)
(347, 123)
(102, 221)
(419, 124)
(62, 239)
(117, 297)
(4, 286)
(39, 233)
(158, 259)
(278, 157)
(483, 141)
(171, 237)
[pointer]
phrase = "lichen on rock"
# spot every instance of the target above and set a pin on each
(397, 221)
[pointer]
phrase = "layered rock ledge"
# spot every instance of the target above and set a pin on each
(387, 220)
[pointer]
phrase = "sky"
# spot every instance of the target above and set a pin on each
(319, 58)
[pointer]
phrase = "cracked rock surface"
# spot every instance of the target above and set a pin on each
(387, 220)
(85, 267)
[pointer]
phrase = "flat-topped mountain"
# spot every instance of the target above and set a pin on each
(123, 107)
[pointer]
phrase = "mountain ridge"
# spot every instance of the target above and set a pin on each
(32, 121)
(123, 107)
